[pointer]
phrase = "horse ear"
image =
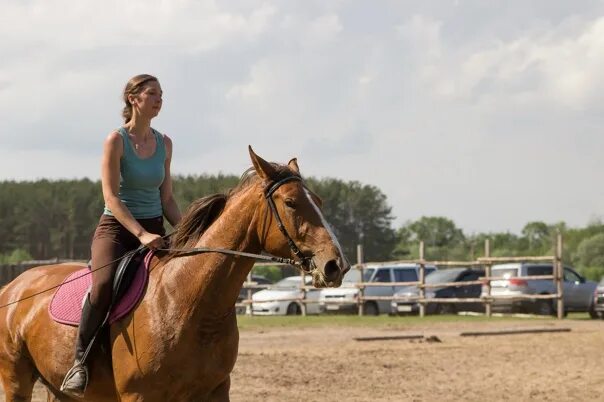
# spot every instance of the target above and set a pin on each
(293, 165)
(264, 169)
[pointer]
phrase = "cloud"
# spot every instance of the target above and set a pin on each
(453, 109)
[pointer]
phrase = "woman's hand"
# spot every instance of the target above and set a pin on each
(151, 240)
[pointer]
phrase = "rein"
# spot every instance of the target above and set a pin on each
(200, 250)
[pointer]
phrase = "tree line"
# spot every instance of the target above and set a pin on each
(46, 219)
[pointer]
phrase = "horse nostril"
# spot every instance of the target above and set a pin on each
(331, 270)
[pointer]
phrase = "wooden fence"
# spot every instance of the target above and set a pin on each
(486, 297)
(8, 272)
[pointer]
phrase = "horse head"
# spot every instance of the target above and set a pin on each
(294, 226)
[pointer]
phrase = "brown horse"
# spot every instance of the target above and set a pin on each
(180, 343)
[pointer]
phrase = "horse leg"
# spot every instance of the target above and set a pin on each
(221, 392)
(18, 379)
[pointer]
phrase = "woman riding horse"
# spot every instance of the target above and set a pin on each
(180, 343)
(137, 188)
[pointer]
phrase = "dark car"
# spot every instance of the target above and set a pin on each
(459, 292)
(243, 293)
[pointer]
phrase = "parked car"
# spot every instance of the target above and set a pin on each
(260, 280)
(599, 300)
(269, 301)
(411, 306)
(578, 293)
(344, 299)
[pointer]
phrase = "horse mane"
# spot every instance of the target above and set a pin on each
(204, 211)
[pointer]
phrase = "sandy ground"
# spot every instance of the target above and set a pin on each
(327, 364)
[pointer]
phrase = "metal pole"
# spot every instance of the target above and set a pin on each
(422, 281)
(559, 277)
(360, 266)
(487, 272)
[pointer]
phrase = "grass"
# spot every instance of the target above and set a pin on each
(383, 321)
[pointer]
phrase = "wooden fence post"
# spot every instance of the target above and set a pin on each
(487, 272)
(303, 288)
(248, 307)
(559, 276)
(361, 289)
(422, 280)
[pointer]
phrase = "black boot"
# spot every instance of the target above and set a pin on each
(76, 379)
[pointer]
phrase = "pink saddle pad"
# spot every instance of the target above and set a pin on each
(66, 304)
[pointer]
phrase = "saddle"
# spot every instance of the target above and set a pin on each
(129, 284)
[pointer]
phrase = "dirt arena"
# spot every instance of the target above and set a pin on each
(325, 363)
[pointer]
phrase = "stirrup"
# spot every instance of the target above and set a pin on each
(72, 383)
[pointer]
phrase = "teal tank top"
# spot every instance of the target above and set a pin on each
(140, 179)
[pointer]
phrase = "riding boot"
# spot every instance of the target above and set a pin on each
(76, 379)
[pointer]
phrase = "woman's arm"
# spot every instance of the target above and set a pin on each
(169, 206)
(110, 180)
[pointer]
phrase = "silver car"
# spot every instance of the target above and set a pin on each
(578, 293)
(345, 298)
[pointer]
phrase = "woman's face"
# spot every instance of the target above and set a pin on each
(148, 102)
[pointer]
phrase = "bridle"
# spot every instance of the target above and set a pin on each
(304, 263)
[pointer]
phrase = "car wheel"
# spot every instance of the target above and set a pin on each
(370, 309)
(593, 313)
(445, 308)
(544, 307)
(294, 309)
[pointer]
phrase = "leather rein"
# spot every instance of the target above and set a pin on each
(304, 263)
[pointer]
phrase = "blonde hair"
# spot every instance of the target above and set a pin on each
(134, 86)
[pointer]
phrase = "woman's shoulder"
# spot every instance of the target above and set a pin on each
(114, 140)
(165, 139)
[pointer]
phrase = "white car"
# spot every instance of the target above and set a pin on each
(278, 298)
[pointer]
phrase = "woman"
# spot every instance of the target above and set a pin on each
(137, 188)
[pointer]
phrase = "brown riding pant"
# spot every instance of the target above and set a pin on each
(111, 241)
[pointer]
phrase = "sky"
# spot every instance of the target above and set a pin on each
(488, 113)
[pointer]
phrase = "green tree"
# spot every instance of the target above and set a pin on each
(538, 235)
(441, 237)
(359, 214)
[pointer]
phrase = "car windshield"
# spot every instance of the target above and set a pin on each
(505, 273)
(292, 282)
(354, 275)
(446, 275)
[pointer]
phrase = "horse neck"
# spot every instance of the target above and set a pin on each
(213, 280)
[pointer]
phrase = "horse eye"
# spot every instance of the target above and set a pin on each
(290, 203)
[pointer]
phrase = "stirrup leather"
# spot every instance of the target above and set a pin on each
(71, 384)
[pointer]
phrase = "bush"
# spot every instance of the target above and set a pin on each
(15, 257)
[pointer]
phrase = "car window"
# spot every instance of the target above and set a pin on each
(354, 275)
(443, 276)
(570, 276)
(382, 275)
(535, 270)
(470, 276)
(405, 275)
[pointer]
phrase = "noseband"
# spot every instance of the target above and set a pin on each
(306, 263)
